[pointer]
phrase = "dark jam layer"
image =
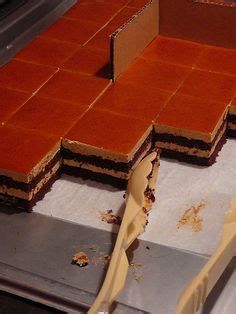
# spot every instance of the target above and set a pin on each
(231, 133)
(95, 176)
(191, 143)
(107, 163)
(201, 161)
(18, 203)
(231, 118)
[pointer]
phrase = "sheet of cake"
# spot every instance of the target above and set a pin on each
(188, 213)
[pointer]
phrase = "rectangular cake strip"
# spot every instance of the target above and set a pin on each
(106, 170)
(192, 151)
(108, 149)
(30, 163)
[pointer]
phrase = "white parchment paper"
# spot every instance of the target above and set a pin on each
(180, 186)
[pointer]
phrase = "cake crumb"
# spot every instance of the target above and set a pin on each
(81, 259)
(101, 260)
(135, 268)
(191, 217)
(109, 217)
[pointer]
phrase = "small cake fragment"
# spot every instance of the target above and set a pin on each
(232, 119)
(81, 259)
(30, 163)
(106, 147)
(109, 217)
(192, 130)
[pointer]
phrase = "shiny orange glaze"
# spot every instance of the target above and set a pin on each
(174, 51)
(10, 101)
(218, 60)
(138, 4)
(72, 31)
(108, 131)
(141, 102)
(23, 76)
(22, 150)
(120, 3)
(90, 61)
(190, 113)
(47, 115)
(96, 12)
(233, 104)
(47, 51)
(155, 74)
(101, 39)
(73, 87)
(209, 85)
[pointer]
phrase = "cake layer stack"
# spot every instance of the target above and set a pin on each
(106, 147)
(30, 163)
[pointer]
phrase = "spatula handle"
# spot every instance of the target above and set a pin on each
(198, 289)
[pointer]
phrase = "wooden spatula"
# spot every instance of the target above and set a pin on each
(143, 179)
(199, 288)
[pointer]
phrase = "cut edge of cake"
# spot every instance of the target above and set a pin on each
(102, 165)
(22, 189)
(231, 131)
(191, 146)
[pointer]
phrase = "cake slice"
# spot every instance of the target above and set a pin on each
(191, 129)
(232, 119)
(105, 147)
(29, 163)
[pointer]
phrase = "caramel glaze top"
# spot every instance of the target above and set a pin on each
(21, 149)
(190, 113)
(108, 130)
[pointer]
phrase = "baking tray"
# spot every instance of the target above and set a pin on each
(35, 263)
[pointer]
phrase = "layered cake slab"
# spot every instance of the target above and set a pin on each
(29, 163)
(106, 147)
(232, 119)
(191, 129)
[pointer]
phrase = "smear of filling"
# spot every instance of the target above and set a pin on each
(191, 217)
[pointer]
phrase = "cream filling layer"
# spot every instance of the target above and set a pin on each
(26, 178)
(191, 151)
(113, 173)
(29, 195)
(232, 126)
(192, 134)
(85, 149)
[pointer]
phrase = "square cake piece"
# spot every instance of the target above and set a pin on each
(232, 119)
(49, 116)
(29, 163)
(138, 101)
(11, 101)
(106, 147)
(191, 129)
